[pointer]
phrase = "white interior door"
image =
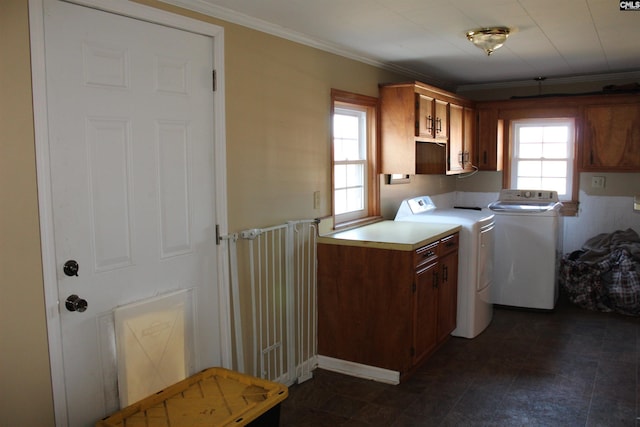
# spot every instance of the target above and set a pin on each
(131, 152)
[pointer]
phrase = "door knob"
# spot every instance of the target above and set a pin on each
(71, 268)
(75, 303)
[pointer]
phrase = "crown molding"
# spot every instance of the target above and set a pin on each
(234, 17)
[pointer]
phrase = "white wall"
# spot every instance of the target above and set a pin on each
(599, 214)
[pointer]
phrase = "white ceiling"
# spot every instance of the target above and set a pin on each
(426, 38)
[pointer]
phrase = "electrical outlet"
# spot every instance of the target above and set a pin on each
(316, 200)
(597, 182)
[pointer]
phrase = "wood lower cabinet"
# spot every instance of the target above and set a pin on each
(425, 313)
(364, 297)
(447, 286)
(435, 299)
(386, 308)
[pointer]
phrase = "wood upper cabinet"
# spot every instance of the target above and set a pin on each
(469, 136)
(431, 158)
(413, 113)
(425, 116)
(455, 148)
(431, 117)
(489, 142)
(442, 120)
(607, 129)
(611, 137)
(462, 138)
(398, 126)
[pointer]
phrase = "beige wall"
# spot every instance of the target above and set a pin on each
(278, 103)
(25, 387)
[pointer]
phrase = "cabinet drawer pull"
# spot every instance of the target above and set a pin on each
(428, 254)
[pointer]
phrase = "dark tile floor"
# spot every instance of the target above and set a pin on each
(571, 367)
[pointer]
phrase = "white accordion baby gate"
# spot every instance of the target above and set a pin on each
(273, 291)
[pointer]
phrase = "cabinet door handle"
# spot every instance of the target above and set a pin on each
(438, 125)
(461, 158)
(429, 123)
(435, 280)
(484, 157)
(445, 273)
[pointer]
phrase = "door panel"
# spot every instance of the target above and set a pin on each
(425, 312)
(130, 112)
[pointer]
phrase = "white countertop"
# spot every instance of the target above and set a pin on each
(404, 236)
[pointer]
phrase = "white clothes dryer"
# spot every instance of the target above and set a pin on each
(475, 258)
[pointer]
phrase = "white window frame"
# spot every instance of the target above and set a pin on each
(569, 160)
(364, 107)
(361, 160)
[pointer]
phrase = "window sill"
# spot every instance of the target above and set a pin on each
(569, 208)
(357, 223)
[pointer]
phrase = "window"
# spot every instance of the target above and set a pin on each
(542, 156)
(353, 157)
(349, 161)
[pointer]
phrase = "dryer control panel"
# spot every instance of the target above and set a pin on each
(512, 195)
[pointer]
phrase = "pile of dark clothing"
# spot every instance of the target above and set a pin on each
(605, 274)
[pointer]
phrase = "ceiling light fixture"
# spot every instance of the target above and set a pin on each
(488, 39)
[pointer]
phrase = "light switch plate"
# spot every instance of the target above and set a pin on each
(636, 203)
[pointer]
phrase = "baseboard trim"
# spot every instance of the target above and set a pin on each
(359, 370)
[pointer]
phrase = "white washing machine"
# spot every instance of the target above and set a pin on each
(475, 258)
(528, 247)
